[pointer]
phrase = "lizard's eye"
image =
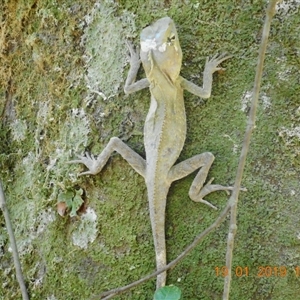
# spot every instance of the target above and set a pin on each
(171, 39)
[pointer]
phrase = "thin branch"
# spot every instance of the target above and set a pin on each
(234, 197)
(110, 294)
(13, 245)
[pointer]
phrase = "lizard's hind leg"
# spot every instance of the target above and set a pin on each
(115, 144)
(197, 190)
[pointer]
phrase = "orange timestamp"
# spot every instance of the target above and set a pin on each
(261, 271)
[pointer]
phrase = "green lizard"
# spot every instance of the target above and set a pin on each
(165, 127)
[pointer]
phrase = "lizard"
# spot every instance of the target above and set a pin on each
(164, 129)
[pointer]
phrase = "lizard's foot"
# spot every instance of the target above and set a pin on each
(89, 161)
(212, 65)
(134, 56)
(209, 188)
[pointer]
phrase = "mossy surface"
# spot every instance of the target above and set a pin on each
(62, 70)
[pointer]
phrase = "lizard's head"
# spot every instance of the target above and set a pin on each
(160, 47)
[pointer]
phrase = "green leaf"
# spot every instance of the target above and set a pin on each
(76, 203)
(65, 196)
(73, 202)
(170, 292)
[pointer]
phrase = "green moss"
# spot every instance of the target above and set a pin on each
(58, 60)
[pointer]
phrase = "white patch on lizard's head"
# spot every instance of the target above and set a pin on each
(148, 44)
(160, 46)
(151, 44)
(163, 47)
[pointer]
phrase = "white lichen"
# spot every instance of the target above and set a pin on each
(18, 130)
(86, 232)
(290, 133)
(291, 139)
(287, 7)
(44, 218)
(105, 50)
(74, 131)
(247, 98)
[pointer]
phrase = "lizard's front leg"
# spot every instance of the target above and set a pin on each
(115, 144)
(197, 190)
(211, 66)
(130, 85)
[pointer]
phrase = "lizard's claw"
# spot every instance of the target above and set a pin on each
(134, 54)
(209, 188)
(86, 173)
(89, 161)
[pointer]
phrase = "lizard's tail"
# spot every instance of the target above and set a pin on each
(158, 229)
(157, 207)
(161, 259)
